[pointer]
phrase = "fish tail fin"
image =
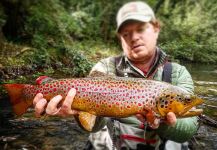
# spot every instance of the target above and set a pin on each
(18, 102)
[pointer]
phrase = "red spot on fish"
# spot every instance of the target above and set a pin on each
(128, 106)
(139, 104)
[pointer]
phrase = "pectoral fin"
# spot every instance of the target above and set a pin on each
(152, 120)
(87, 120)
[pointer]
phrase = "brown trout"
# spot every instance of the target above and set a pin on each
(110, 97)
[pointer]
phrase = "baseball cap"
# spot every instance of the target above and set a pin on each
(137, 10)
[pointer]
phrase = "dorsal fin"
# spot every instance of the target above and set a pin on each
(43, 79)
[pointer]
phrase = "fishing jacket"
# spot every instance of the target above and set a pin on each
(130, 133)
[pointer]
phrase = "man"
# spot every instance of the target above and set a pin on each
(138, 31)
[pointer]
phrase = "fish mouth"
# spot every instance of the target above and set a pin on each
(191, 113)
(188, 111)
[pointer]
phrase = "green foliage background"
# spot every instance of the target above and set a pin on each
(70, 36)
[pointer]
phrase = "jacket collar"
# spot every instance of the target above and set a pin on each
(125, 68)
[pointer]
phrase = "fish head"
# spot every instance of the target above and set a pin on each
(181, 103)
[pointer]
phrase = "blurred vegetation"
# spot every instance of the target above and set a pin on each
(68, 36)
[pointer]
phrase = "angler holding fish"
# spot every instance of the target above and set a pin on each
(139, 113)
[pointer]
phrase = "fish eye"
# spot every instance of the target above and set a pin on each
(188, 99)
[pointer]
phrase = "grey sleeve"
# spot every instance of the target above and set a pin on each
(182, 78)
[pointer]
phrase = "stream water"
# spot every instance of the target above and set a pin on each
(53, 133)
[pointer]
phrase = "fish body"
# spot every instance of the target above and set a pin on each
(110, 97)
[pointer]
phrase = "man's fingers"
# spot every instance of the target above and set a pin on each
(171, 119)
(69, 99)
(140, 117)
(53, 104)
(37, 98)
(40, 107)
(52, 107)
(66, 106)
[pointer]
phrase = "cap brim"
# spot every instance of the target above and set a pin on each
(133, 18)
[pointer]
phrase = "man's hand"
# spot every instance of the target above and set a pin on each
(52, 107)
(170, 119)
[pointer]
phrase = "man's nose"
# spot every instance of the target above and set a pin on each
(135, 36)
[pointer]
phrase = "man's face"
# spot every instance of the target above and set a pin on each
(139, 40)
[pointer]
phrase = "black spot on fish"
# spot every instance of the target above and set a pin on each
(161, 106)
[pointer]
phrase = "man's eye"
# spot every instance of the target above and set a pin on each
(141, 29)
(126, 34)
